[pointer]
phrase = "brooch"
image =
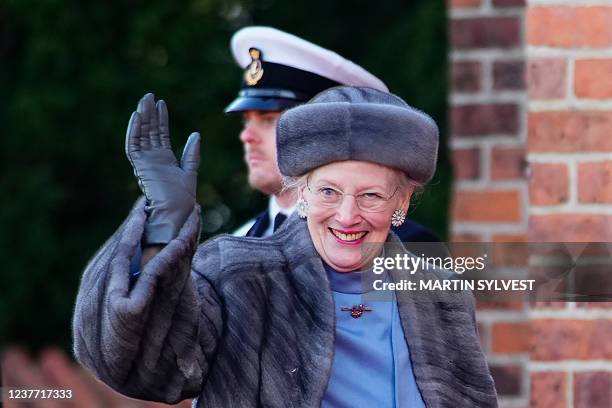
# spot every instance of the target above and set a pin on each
(356, 310)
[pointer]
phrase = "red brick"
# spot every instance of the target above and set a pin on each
(464, 237)
(465, 250)
(561, 26)
(509, 254)
(507, 163)
(510, 238)
(546, 78)
(510, 337)
(551, 282)
(548, 305)
(566, 132)
(19, 370)
(548, 184)
(58, 367)
(593, 78)
(595, 182)
(507, 379)
(487, 206)
(499, 305)
(594, 305)
(466, 163)
(509, 251)
(558, 339)
(477, 120)
(484, 32)
(508, 3)
(466, 76)
(593, 389)
(508, 75)
(548, 390)
(570, 228)
(463, 3)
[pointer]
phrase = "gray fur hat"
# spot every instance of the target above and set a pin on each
(349, 123)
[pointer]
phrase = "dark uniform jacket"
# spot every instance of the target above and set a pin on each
(249, 322)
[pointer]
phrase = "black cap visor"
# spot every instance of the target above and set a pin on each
(281, 87)
(257, 103)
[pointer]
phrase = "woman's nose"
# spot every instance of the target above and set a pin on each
(348, 213)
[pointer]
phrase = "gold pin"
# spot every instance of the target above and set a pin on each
(254, 71)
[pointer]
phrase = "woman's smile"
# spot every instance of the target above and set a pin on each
(348, 237)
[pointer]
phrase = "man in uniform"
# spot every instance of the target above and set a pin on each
(282, 71)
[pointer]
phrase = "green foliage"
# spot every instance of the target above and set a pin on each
(72, 71)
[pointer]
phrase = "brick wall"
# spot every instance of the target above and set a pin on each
(569, 76)
(531, 117)
(488, 114)
(488, 119)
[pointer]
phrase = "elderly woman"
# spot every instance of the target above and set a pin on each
(281, 321)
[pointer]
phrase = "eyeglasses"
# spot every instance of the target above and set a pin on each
(330, 197)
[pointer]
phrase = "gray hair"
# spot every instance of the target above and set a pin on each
(294, 183)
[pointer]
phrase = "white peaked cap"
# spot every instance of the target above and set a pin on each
(283, 48)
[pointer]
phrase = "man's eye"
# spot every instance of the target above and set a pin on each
(269, 121)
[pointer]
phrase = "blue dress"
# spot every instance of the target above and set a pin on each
(371, 366)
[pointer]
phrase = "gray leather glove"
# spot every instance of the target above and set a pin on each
(169, 187)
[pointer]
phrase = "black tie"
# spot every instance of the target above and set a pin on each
(260, 226)
(278, 220)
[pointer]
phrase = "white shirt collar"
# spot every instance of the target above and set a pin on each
(274, 209)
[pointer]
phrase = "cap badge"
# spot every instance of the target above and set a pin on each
(254, 71)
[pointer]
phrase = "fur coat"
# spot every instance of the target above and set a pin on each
(249, 322)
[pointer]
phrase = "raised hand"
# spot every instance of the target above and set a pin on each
(169, 187)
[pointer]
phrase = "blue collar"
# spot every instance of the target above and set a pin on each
(355, 282)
